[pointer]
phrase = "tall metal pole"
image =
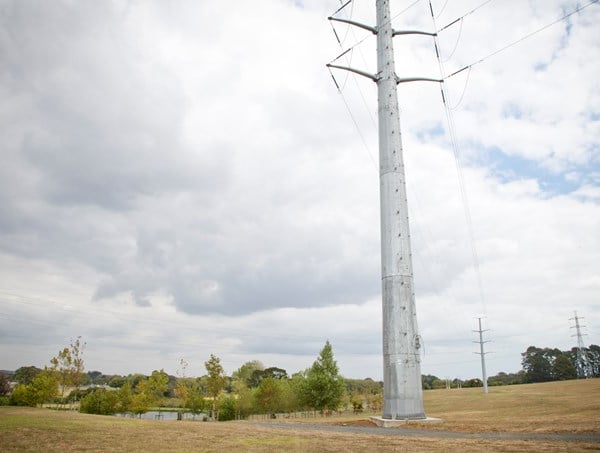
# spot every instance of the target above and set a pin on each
(482, 353)
(402, 388)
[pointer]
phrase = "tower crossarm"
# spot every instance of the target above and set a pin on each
(356, 24)
(368, 75)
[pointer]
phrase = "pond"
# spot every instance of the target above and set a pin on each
(163, 415)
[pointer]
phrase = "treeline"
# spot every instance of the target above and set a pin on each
(552, 364)
(251, 389)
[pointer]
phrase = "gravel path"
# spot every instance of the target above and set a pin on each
(411, 432)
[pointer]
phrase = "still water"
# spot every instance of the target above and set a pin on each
(155, 415)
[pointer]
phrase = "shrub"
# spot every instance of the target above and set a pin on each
(22, 396)
(227, 409)
(100, 401)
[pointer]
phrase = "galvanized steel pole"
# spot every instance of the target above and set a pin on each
(402, 391)
(482, 353)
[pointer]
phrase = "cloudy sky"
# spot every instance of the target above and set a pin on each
(181, 178)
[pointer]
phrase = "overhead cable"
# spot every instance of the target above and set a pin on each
(529, 35)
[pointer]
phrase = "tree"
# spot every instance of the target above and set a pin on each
(139, 402)
(593, 353)
(26, 374)
(216, 379)
(4, 384)
(156, 387)
(42, 389)
(227, 409)
(100, 401)
(189, 390)
(258, 375)
(563, 368)
(117, 381)
(427, 381)
(475, 382)
(69, 366)
(22, 396)
(244, 400)
(150, 392)
(537, 363)
(269, 396)
(244, 373)
(297, 394)
(125, 398)
(324, 387)
(96, 378)
(503, 378)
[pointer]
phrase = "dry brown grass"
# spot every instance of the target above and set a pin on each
(555, 407)
(552, 407)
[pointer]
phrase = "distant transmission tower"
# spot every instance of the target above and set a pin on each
(482, 354)
(583, 363)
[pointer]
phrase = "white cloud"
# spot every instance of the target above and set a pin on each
(185, 180)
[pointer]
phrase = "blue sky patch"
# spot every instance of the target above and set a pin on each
(509, 168)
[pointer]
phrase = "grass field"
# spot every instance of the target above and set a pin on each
(563, 407)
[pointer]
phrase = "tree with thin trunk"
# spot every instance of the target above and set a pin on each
(216, 379)
(69, 366)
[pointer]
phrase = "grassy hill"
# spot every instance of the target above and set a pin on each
(555, 407)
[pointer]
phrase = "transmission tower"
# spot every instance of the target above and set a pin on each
(402, 388)
(583, 363)
(482, 353)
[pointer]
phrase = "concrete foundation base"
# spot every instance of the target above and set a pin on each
(389, 423)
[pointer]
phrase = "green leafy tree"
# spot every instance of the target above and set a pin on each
(563, 368)
(22, 396)
(537, 363)
(324, 386)
(503, 378)
(43, 389)
(117, 381)
(156, 387)
(227, 408)
(215, 381)
(297, 388)
(150, 392)
(139, 402)
(289, 398)
(269, 396)
(96, 378)
(189, 390)
(125, 398)
(244, 401)
(101, 402)
(245, 372)
(26, 374)
(366, 386)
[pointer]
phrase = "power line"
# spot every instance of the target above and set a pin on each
(523, 38)
(461, 181)
(461, 18)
